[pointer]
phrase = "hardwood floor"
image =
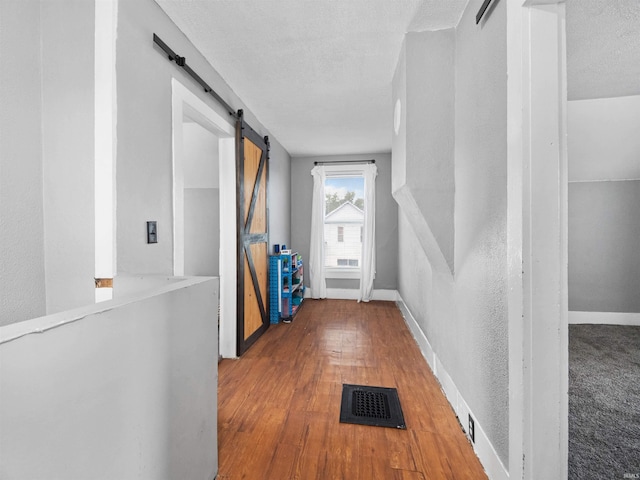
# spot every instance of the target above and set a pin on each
(279, 405)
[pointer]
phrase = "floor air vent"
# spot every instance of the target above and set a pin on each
(375, 406)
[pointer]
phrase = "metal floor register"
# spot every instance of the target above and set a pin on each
(374, 406)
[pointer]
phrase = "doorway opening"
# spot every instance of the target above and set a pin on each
(204, 201)
(201, 196)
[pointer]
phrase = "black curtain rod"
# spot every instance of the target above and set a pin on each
(340, 162)
(483, 8)
(181, 62)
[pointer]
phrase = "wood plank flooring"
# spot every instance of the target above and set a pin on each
(279, 405)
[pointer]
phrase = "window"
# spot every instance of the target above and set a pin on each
(343, 196)
(343, 221)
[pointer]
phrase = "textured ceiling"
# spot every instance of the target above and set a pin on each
(316, 73)
(603, 48)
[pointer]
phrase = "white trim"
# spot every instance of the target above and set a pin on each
(105, 144)
(352, 273)
(517, 137)
(545, 358)
(605, 318)
(483, 447)
(228, 248)
(606, 180)
(564, 241)
(185, 102)
(418, 335)
(352, 294)
(537, 239)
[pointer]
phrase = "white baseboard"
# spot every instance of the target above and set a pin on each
(419, 336)
(605, 318)
(352, 294)
(483, 447)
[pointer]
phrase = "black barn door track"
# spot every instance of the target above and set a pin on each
(375, 406)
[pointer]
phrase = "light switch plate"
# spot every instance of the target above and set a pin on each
(152, 232)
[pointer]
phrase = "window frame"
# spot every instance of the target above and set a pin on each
(343, 272)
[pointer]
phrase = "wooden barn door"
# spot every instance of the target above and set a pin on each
(253, 236)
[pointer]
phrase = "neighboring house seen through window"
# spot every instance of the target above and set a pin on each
(343, 221)
(347, 262)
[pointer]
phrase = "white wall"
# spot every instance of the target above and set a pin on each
(481, 222)
(280, 201)
(68, 152)
(603, 48)
(603, 139)
(412, 265)
(604, 246)
(123, 389)
(604, 194)
(201, 231)
(201, 201)
(47, 158)
(127, 285)
(423, 155)
(399, 137)
(22, 286)
(200, 149)
(430, 131)
(463, 315)
(144, 169)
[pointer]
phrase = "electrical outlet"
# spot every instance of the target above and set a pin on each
(472, 429)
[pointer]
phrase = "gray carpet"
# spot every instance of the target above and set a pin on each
(604, 402)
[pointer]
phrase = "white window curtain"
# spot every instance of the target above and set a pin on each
(317, 274)
(368, 269)
(317, 280)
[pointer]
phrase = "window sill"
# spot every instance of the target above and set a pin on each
(342, 272)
